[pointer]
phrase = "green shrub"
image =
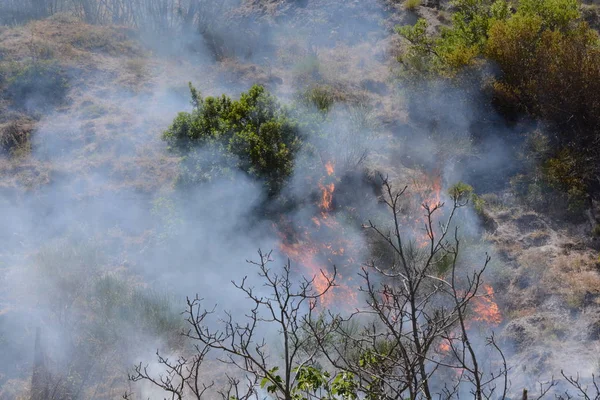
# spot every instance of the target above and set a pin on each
(412, 4)
(463, 192)
(492, 200)
(64, 270)
(556, 14)
(563, 172)
(322, 97)
(157, 312)
(256, 129)
(550, 74)
(37, 86)
(535, 191)
(547, 59)
(457, 46)
(460, 191)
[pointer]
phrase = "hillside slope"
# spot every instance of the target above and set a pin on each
(91, 169)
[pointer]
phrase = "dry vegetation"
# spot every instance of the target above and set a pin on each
(103, 63)
(120, 98)
(549, 286)
(109, 71)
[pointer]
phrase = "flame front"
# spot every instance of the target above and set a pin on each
(302, 246)
(306, 255)
(326, 196)
(485, 308)
(327, 189)
(329, 168)
(444, 346)
(321, 242)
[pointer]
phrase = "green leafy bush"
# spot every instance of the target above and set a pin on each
(548, 73)
(564, 172)
(463, 192)
(256, 130)
(455, 47)
(322, 97)
(556, 14)
(547, 59)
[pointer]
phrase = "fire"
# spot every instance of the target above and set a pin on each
(326, 196)
(329, 168)
(485, 311)
(327, 189)
(444, 346)
(302, 246)
(320, 242)
(485, 308)
(306, 256)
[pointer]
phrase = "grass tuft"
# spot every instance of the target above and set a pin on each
(411, 5)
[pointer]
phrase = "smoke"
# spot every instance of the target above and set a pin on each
(108, 227)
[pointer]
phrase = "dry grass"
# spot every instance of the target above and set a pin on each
(292, 52)
(103, 62)
(15, 136)
(540, 265)
(102, 40)
(137, 66)
(18, 389)
(575, 277)
(41, 49)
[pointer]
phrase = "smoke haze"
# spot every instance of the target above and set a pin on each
(97, 206)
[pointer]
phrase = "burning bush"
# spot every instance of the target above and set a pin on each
(555, 184)
(416, 316)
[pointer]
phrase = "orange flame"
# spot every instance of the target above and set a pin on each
(444, 346)
(486, 311)
(485, 308)
(306, 255)
(327, 189)
(329, 168)
(326, 196)
(311, 254)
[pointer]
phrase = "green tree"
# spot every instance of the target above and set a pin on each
(256, 132)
